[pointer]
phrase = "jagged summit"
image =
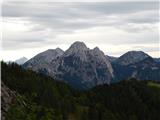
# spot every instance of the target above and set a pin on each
(79, 45)
(83, 68)
(59, 49)
(79, 66)
(97, 51)
(77, 48)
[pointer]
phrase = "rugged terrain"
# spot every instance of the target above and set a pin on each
(85, 68)
(39, 97)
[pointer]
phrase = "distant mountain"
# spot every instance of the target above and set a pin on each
(131, 57)
(145, 69)
(148, 62)
(79, 66)
(21, 60)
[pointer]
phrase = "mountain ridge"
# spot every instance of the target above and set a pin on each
(84, 68)
(131, 57)
(89, 66)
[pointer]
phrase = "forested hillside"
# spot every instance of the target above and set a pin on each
(39, 97)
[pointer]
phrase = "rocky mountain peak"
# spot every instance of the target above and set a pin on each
(131, 57)
(136, 53)
(96, 49)
(98, 52)
(82, 67)
(42, 59)
(21, 61)
(78, 49)
(52, 51)
(79, 45)
(59, 50)
(49, 55)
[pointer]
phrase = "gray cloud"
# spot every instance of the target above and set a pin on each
(50, 9)
(67, 18)
(78, 14)
(147, 49)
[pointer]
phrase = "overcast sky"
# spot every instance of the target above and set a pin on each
(115, 27)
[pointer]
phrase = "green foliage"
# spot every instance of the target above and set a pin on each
(42, 98)
(152, 84)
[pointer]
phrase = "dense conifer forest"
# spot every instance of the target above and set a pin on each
(39, 97)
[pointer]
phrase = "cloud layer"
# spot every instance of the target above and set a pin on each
(30, 24)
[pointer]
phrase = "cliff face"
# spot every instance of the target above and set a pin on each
(78, 66)
(7, 97)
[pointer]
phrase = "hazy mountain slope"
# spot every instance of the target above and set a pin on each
(40, 62)
(21, 60)
(146, 69)
(131, 57)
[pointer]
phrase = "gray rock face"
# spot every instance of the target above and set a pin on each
(7, 97)
(79, 66)
(21, 60)
(41, 61)
(84, 68)
(78, 49)
(131, 57)
(146, 69)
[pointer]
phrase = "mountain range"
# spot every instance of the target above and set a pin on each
(84, 68)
